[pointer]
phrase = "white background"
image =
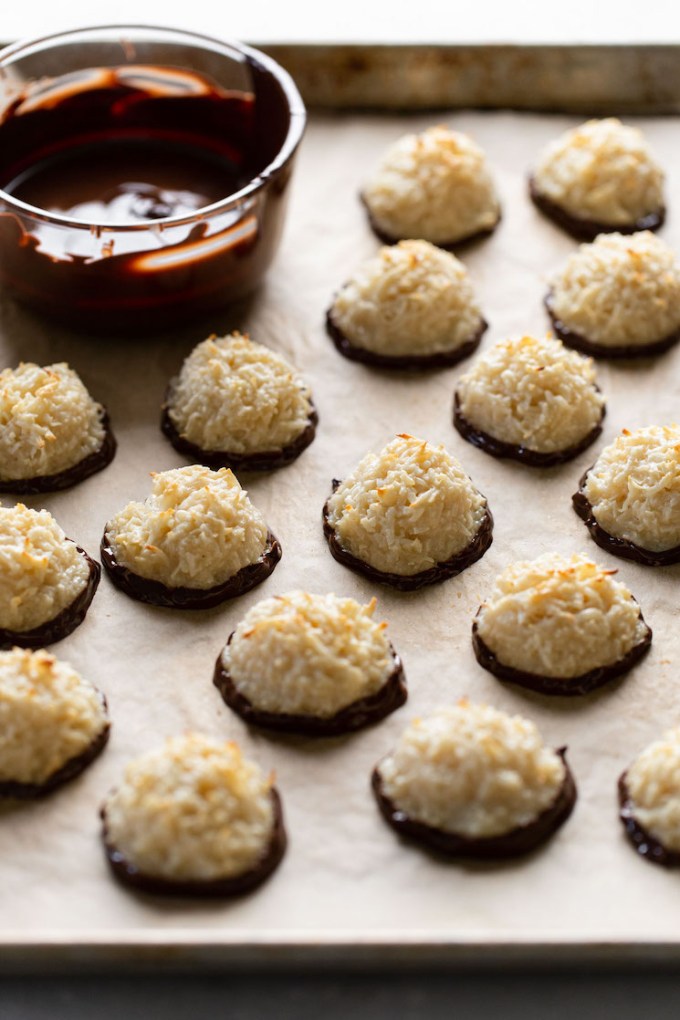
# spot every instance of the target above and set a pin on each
(365, 20)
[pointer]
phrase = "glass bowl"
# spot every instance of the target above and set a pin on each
(144, 174)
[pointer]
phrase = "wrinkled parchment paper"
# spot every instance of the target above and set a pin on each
(346, 876)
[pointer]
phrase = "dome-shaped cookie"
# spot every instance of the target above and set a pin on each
(435, 186)
(237, 404)
(47, 582)
(412, 306)
(194, 542)
(407, 516)
(469, 781)
(194, 818)
(597, 177)
(630, 497)
(530, 399)
(53, 723)
(52, 433)
(559, 625)
(313, 664)
(618, 297)
(649, 799)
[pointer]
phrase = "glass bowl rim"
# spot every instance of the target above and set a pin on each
(296, 108)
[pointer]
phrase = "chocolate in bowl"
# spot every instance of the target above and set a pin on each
(145, 181)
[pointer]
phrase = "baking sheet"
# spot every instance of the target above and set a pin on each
(346, 879)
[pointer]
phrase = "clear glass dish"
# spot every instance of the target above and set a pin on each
(144, 174)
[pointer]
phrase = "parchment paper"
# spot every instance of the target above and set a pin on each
(346, 876)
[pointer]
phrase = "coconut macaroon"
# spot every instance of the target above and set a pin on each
(47, 582)
(618, 297)
(530, 399)
(194, 542)
(435, 186)
(472, 781)
(649, 799)
(53, 723)
(52, 433)
(195, 818)
(597, 177)
(407, 516)
(630, 497)
(313, 664)
(412, 306)
(237, 404)
(559, 625)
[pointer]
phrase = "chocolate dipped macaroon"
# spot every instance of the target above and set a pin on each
(317, 665)
(237, 404)
(408, 516)
(600, 176)
(53, 723)
(52, 433)
(560, 626)
(618, 297)
(412, 307)
(433, 186)
(630, 497)
(530, 400)
(193, 818)
(195, 542)
(649, 801)
(47, 582)
(470, 781)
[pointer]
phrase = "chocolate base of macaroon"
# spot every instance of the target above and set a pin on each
(622, 547)
(561, 686)
(410, 582)
(412, 362)
(360, 713)
(518, 841)
(89, 465)
(387, 238)
(155, 593)
(523, 454)
(597, 350)
(584, 229)
(63, 623)
(237, 885)
(263, 460)
(645, 844)
(12, 789)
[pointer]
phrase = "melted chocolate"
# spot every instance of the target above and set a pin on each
(129, 875)
(69, 770)
(413, 362)
(156, 593)
(361, 713)
(64, 622)
(262, 460)
(646, 845)
(387, 238)
(560, 686)
(134, 146)
(619, 546)
(581, 343)
(587, 230)
(500, 449)
(410, 582)
(518, 841)
(89, 465)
